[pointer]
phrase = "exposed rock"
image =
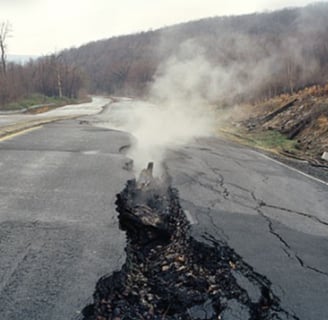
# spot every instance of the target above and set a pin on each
(325, 156)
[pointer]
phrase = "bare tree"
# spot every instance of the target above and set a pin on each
(57, 58)
(5, 32)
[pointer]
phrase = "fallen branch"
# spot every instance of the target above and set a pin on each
(283, 108)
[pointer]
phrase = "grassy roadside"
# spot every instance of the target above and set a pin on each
(44, 103)
(269, 140)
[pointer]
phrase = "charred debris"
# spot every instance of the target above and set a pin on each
(168, 274)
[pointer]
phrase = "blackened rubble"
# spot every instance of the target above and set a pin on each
(170, 275)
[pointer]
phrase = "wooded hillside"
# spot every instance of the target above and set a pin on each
(255, 57)
(268, 53)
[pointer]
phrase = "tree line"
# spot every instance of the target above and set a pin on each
(277, 52)
(263, 54)
(50, 76)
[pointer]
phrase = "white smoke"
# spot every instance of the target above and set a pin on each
(179, 109)
(163, 127)
(187, 89)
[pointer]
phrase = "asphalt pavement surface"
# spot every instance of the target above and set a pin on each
(59, 232)
(58, 226)
(276, 218)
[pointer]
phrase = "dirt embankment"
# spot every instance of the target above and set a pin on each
(300, 120)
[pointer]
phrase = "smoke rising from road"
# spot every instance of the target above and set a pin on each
(179, 109)
(192, 81)
(161, 127)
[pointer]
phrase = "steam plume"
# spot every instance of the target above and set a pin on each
(179, 110)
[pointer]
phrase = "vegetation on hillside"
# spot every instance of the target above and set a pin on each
(294, 124)
(37, 102)
(47, 77)
(257, 56)
(260, 55)
(36, 81)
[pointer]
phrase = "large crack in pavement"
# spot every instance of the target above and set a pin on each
(303, 214)
(168, 274)
(287, 248)
(221, 187)
(216, 183)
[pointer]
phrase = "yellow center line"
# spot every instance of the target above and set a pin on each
(24, 131)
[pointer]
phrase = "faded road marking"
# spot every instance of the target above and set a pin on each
(13, 135)
(293, 169)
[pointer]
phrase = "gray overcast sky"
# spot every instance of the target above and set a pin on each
(45, 26)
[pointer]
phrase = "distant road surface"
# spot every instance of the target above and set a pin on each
(88, 108)
(59, 232)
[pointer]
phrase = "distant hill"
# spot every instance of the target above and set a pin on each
(259, 55)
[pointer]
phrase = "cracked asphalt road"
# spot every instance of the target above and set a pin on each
(59, 232)
(274, 217)
(58, 226)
